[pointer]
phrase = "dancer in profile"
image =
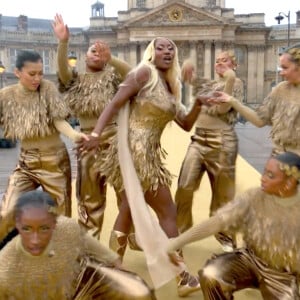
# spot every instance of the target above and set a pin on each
(59, 260)
(214, 145)
(33, 113)
(269, 219)
(87, 95)
(146, 101)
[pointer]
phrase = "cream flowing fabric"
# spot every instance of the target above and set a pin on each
(150, 236)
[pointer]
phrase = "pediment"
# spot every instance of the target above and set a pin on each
(175, 14)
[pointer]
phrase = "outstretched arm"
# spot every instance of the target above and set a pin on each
(129, 88)
(67, 130)
(186, 120)
(196, 233)
(245, 111)
(103, 253)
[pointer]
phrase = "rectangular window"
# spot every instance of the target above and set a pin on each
(140, 3)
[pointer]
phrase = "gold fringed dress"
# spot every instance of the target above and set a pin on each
(73, 266)
(150, 112)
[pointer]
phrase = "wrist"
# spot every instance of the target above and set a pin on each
(94, 134)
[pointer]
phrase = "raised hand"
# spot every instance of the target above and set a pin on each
(61, 30)
(187, 71)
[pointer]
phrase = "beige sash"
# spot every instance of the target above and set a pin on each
(150, 236)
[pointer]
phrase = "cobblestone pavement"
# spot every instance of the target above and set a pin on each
(254, 147)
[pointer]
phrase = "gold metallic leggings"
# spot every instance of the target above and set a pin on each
(50, 169)
(224, 274)
(214, 152)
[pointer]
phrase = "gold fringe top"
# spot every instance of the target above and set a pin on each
(281, 110)
(29, 114)
(54, 274)
(270, 227)
(205, 86)
(91, 92)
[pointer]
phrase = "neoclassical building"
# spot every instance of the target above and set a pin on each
(200, 28)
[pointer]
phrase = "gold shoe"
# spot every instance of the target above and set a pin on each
(187, 284)
(133, 243)
(118, 242)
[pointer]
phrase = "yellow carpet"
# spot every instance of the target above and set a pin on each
(175, 141)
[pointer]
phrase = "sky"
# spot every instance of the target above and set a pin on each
(76, 13)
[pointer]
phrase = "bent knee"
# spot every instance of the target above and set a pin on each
(210, 273)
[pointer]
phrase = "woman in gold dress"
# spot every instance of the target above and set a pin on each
(33, 113)
(87, 94)
(146, 102)
(269, 219)
(214, 145)
(53, 258)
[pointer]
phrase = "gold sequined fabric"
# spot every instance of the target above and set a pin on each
(149, 114)
(30, 114)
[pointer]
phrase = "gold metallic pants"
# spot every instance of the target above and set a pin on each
(91, 187)
(91, 195)
(230, 272)
(214, 152)
(98, 281)
(50, 170)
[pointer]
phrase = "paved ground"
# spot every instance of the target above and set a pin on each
(254, 147)
(254, 144)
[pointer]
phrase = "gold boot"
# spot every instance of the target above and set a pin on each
(118, 242)
(133, 245)
(187, 284)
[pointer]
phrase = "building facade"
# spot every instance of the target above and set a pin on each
(200, 28)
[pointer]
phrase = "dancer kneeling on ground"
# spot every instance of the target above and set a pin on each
(269, 219)
(59, 261)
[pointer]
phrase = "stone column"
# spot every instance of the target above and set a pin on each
(143, 48)
(132, 54)
(121, 52)
(193, 53)
(207, 59)
(218, 50)
(255, 85)
(260, 73)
